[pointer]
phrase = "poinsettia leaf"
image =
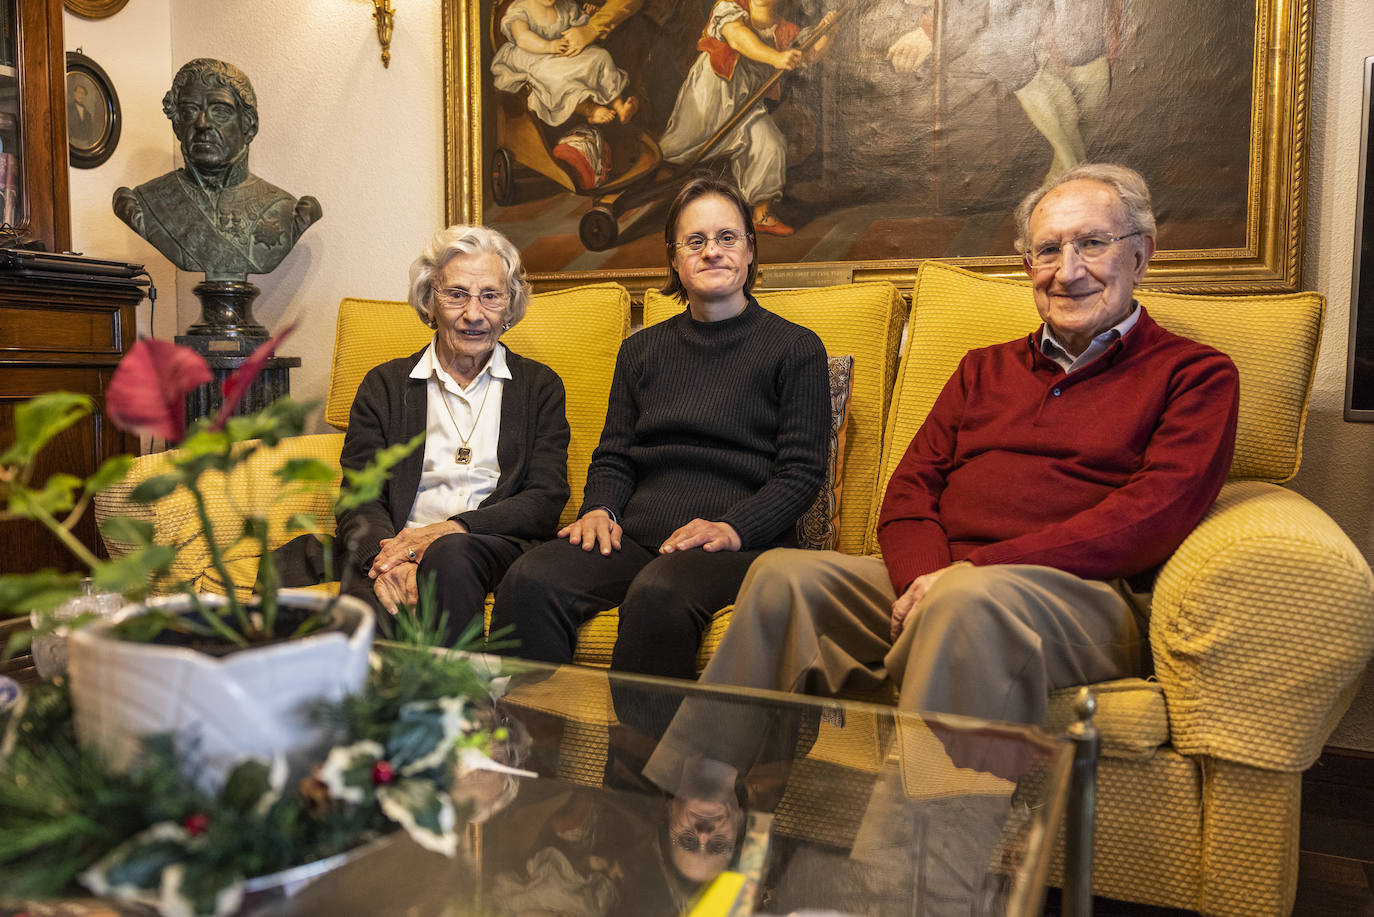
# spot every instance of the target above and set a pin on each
(111, 471)
(347, 771)
(238, 382)
(302, 522)
(426, 813)
(39, 419)
(44, 590)
(144, 627)
(56, 496)
(425, 732)
(128, 530)
(130, 573)
(363, 485)
(147, 393)
(135, 866)
(306, 471)
(155, 488)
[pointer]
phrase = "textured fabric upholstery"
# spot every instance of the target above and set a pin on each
(253, 488)
(1131, 716)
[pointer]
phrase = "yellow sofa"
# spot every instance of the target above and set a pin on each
(1262, 622)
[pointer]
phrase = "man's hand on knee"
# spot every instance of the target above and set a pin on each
(914, 594)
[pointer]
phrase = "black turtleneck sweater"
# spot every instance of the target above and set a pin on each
(726, 421)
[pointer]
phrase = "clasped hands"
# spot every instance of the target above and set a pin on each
(919, 588)
(596, 529)
(393, 569)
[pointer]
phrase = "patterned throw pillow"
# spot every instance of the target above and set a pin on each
(818, 528)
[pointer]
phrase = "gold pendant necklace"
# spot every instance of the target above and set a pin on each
(462, 455)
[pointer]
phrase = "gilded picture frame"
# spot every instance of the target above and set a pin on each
(887, 167)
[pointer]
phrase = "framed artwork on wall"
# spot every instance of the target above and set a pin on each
(1359, 367)
(93, 115)
(94, 9)
(872, 135)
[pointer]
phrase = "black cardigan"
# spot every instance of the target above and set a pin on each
(532, 449)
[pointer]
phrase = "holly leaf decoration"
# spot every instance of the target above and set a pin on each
(347, 772)
(424, 811)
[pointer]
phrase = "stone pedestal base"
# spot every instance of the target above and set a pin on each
(226, 310)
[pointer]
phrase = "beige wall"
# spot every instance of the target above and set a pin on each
(368, 143)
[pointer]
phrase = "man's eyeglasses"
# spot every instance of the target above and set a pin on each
(457, 298)
(1090, 246)
(696, 242)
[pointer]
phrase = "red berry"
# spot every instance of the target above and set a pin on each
(197, 823)
(383, 772)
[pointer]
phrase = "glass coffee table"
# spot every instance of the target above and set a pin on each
(647, 797)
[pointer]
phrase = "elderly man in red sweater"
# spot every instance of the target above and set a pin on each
(1022, 529)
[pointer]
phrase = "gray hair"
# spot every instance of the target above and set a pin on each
(455, 242)
(1128, 184)
(210, 72)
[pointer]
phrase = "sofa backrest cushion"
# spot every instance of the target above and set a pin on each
(860, 319)
(1273, 340)
(576, 332)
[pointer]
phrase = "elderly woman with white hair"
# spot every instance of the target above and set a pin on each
(491, 477)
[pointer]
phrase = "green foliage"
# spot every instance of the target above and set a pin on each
(365, 485)
(39, 419)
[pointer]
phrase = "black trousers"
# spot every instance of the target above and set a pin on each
(465, 568)
(666, 601)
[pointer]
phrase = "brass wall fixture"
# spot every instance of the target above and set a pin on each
(385, 18)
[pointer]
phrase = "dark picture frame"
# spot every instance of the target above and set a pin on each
(93, 113)
(1209, 99)
(1359, 371)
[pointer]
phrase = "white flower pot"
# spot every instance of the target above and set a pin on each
(251, 703)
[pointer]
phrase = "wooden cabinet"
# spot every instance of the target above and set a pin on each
(33, 123)
(62, 334)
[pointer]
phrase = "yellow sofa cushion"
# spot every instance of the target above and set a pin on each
(860, 319)
(253, 488)
(576, 332)
(1272, 339)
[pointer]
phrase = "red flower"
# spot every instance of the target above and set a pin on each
(240, 379)
(383, 772)
(147, 393)
(196, 824)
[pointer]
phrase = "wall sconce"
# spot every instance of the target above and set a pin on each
(385, 18)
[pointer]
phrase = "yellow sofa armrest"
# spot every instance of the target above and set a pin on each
(252, 487)
(1261, 626)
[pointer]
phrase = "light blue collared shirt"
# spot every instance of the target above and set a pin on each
(1051, 347)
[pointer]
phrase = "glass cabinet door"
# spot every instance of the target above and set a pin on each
(11, 121)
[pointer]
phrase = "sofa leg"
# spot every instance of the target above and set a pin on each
(1082, 809)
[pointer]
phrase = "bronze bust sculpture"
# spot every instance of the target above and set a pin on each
(212, 214)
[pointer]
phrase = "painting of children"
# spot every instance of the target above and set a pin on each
(536, 54)
(745, 43)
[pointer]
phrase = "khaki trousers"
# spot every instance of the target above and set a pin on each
(991, 642)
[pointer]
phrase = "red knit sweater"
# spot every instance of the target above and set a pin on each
(1101, 473)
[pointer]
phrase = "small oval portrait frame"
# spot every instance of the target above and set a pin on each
(93, 115)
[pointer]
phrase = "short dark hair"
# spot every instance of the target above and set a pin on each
(703, 186)
(210, 72)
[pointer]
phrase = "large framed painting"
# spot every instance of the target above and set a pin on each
(872, 134)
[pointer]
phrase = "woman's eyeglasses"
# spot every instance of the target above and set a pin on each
(696, 242)
(457, 298)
